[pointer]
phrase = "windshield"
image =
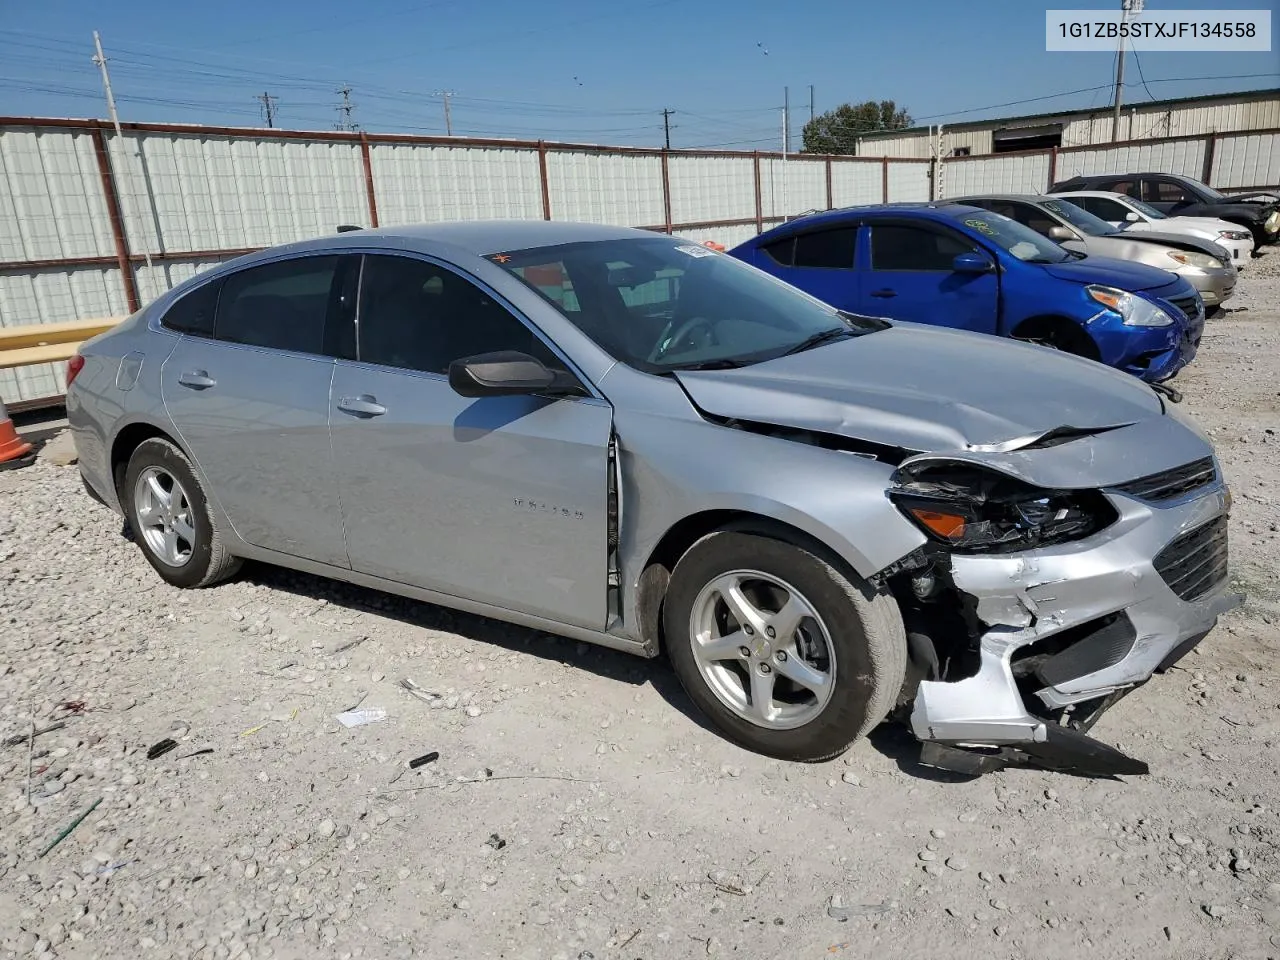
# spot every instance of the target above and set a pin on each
(1146, 208)
(665, 304)
(1079, 218)
(1019, 240)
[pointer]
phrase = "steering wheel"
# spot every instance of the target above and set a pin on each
(667, 340)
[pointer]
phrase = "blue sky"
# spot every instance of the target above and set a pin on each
(575, 70)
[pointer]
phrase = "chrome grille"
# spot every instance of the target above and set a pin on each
(1169, 484)
(1196, 562)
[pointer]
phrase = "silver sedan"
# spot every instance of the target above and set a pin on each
(1206, 265)
(822, 519)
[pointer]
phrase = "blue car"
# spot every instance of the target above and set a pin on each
(971, 269)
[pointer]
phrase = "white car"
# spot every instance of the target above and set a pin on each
(1129, 213)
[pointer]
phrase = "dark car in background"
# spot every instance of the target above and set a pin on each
(1185, 197)
(971, 269)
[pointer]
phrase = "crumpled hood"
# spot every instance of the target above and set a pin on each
(1124, 274)
(926, 389)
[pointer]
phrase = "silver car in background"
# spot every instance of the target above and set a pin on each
(1129, 214)
(821, 519)
(1205, 264)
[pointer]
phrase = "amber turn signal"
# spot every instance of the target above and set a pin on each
(949, 526)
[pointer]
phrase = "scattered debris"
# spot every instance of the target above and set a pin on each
(196, 753)
(33, 733)
(424, 759)
(67, 830)
(358, 718)
(414, 690)
(161, 748)
(498, 843)
(343, 647)
(837, 910)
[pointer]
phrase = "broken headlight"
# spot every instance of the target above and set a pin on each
(973, 510)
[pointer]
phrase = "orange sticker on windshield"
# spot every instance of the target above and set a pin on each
(500, 258)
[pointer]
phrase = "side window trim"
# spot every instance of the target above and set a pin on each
(321, 356)
(365, 252)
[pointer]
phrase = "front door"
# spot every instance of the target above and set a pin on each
(251, 404)
(908, 275)
(499, 499)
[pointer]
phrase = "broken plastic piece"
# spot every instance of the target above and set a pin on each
(161, 748)
(358, 718)
(496, 841)
(424, 759)
(414, 690)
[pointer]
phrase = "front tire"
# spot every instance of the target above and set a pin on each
(785, 654)
(169, 514)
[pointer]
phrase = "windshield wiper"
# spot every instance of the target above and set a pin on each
(722, 364)
(819, 338)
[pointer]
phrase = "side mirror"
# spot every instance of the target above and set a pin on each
(504, 373)
(1059, 232)
(971, 263)
(1132, 217)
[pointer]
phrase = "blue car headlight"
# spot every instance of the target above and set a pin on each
(1134, 310)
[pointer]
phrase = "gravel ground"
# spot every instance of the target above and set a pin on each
(577, 808)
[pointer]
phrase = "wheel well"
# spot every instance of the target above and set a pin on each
(127, 441)
(656, 574)
(1064, 333)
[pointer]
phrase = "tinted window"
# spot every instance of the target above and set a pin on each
(1165, 191)
(832, 249)
(280, 305)
(900, 247)
(1101, 207)
(781, 251)
(1028, 216)
(418, 316)
(193, 313)
(1129, 187)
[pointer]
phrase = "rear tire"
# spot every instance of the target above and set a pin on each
(828, 673)
(169, 515)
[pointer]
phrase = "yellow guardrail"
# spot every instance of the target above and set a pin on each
(48, 342)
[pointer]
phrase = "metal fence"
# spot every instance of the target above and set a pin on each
(92, 225)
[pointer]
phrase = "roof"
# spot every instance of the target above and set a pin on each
(933, 210)
(490, 236)
(1079, 112)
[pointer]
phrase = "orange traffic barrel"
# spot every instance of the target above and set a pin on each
(12, 446)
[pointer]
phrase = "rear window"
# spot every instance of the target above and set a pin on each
(193, 313)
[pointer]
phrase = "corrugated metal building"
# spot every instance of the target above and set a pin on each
(1186, 116)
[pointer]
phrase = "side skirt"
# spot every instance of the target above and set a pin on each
(626, 645)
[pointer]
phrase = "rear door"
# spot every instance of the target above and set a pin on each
(821, 263)
(908, 275)
(251, 402)
(1166, 194)
(502, 500)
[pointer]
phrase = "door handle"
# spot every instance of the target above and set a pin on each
(196, 379)
(886, 292)
(361, 406)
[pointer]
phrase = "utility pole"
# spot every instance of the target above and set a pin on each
(666, 126)
(448, 120)
(100, 59)
(786, 121)
(1129, 7)
(269, 107)
(345, 109)
(811, 103)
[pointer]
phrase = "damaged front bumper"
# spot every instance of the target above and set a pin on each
(1065, 631)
